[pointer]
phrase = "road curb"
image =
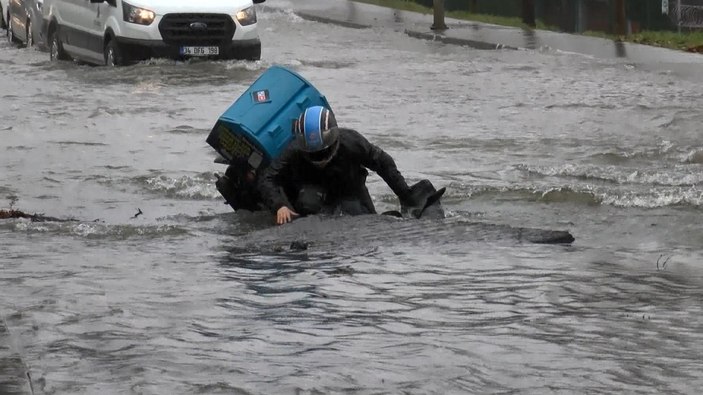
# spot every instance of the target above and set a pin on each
(429, 36)
(458, 41)
(322, 19)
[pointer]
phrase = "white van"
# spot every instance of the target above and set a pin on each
(117, 32)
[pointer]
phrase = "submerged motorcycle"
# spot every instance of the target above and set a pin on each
(259, 125)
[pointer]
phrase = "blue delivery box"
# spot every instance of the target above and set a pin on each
(259, 125)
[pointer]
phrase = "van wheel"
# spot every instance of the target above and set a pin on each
(113, 55)
(249, 53)
(56, 51)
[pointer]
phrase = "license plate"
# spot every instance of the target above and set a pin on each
(200, 51)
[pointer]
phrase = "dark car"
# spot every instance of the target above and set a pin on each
(24, 22)
(3, 13)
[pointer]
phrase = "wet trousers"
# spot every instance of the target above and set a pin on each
(312, 199)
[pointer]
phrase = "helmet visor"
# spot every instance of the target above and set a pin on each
(322, 157)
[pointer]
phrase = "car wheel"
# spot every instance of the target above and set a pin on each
(249, 53)
(113, 55)
(10, 33)
(30, 34)
(56, 51)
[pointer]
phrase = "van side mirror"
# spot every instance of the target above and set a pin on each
(111, 2)
(258, 1)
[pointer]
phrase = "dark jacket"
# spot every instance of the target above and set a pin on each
(344, 177)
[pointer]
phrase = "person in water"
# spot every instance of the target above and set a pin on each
(324, 171)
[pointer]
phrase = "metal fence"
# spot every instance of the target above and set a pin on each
(685, 13)
(597, 15)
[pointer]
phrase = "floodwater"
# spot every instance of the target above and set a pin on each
(189, 297)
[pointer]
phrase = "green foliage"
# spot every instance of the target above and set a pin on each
(689, 41)
(684, 41)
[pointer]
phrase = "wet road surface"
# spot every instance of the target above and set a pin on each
(191, 298)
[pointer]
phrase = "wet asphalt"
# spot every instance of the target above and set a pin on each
(190, 297)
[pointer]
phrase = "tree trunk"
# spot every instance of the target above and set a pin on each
(528, 13)
(439, 16)
(620, 18)
(473, 6)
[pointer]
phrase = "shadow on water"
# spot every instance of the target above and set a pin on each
(351, 10)
(282, 261)
(366, 233)
(274, 284)
(531, 39)
(13, 372)
(620, 49)
(397, 16)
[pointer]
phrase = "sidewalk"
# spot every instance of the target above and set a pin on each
(485, 36)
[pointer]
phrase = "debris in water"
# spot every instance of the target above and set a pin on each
(299, 245)
(663, 265)
(12, 213)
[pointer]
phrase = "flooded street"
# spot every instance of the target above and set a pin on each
(190, 297)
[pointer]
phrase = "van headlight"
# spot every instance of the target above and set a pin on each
(140, 16)
(246, 16)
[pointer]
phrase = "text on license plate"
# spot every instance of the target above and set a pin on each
(200, 51)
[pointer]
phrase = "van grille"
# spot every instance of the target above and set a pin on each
(196, 29)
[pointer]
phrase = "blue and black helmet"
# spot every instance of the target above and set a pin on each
(317, 134)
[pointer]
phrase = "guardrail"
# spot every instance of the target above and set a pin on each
(685, 13)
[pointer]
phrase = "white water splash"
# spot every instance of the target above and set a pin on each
(655, 199)
(187, 187)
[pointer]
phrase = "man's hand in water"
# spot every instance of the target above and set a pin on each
(285, 215)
